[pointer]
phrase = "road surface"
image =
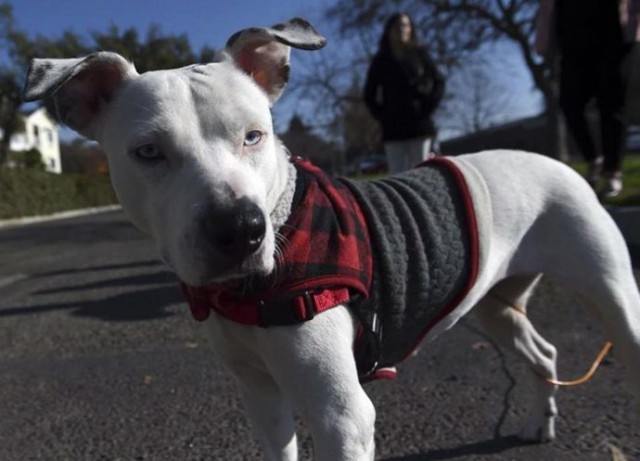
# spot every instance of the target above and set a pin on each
(100, 360)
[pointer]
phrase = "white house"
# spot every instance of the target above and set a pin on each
(40, 132)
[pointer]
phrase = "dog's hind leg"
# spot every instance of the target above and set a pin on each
(587, 253)
(500, 315)
(547, 219)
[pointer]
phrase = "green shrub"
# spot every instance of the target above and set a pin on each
(32, 192)
(33, 160)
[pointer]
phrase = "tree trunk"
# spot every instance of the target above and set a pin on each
(5, 144)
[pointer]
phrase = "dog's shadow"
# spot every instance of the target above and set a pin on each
(485, 447)
(129, 297)
(498, 443)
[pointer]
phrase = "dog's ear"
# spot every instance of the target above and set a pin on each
(80, 88)
(263, 53)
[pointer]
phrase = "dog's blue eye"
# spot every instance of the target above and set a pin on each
(252, 138)
(148, 152)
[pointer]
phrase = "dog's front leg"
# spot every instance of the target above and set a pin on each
(313, 364)
(268, 409)
(271, 415)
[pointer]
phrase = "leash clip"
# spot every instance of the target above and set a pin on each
(369, 350)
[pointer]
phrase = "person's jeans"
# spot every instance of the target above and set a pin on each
(406, 154)
(582, 80)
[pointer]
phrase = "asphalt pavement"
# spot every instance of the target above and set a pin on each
(100, 360)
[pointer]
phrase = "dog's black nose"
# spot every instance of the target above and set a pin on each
(238, 231)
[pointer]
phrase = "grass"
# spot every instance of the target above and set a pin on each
(630, 195)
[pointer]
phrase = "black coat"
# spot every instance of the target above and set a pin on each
(402, 95)
(588, 27)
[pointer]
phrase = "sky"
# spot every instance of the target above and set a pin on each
(211, 22)
(206, 22)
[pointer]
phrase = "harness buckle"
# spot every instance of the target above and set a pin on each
(285, 310)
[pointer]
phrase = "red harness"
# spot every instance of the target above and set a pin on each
(325, 261)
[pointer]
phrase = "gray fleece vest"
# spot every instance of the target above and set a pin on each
(424, 247)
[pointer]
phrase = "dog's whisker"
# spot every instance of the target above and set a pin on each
(288, 227)
(280, 243)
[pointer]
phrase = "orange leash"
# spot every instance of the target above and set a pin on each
(594, 366)
(596, 363)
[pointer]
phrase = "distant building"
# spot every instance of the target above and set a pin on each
(530, 134)
(39, 131)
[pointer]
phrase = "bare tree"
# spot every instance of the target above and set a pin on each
(476, 101)
(10, 102)
(329, 83)
(456, 29)
(360, 131)
(10, 87)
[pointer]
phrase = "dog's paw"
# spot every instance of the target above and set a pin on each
(538, 432)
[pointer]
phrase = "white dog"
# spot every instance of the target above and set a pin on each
(196, 165)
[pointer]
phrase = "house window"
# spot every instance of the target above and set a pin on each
(36, 135)
(49, 134)
(52, 164)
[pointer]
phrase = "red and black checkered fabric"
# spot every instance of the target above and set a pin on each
(327, 237)
(326, 245)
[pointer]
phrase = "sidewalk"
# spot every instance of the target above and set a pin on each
(24, 221)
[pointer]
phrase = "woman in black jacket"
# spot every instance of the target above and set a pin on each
(402, 91)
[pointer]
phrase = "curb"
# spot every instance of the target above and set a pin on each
(628, 220)
(25, 221)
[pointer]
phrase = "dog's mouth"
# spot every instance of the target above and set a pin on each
(221, 244)
(206, 267)
(246, 270)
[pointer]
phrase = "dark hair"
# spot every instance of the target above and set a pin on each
(384, 44)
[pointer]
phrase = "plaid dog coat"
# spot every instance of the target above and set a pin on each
(401, 251)
(327, 246)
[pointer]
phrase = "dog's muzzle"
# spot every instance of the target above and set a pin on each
(235, 232)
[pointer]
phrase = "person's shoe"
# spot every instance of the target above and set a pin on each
(594, 170)
(612, 184)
